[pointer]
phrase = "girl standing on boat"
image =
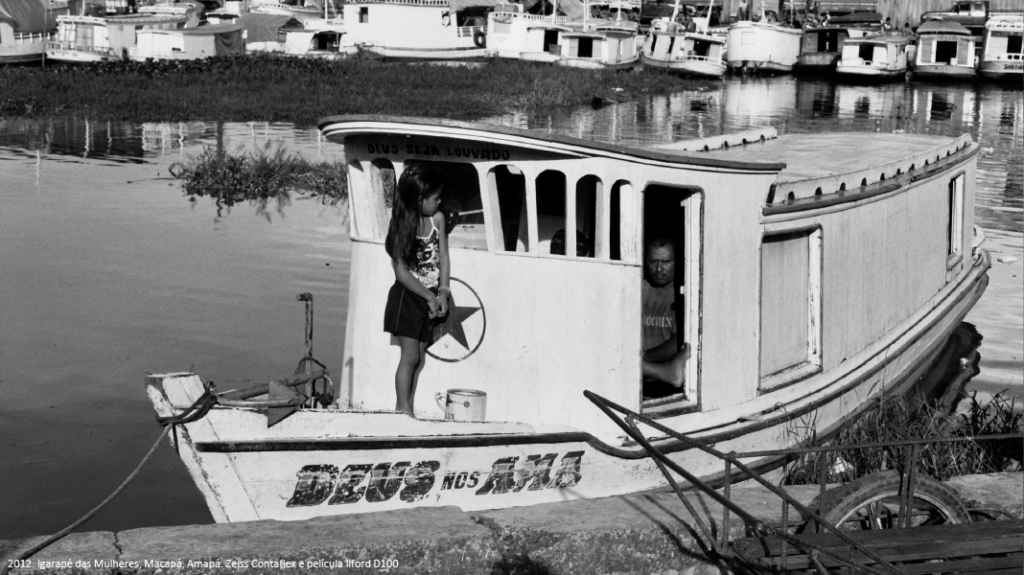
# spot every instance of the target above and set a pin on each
(417, 242)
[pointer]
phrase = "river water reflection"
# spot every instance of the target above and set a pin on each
(107, 271)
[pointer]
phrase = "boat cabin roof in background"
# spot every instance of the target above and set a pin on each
(856, 18)
(943, 27)
(265, 27)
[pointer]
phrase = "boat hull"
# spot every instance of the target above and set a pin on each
(424, 53)
(869, 72)
(944, 71)
(755, 46)
(816, 62)
(594, 64)
(71, 56)
(692, 67)
(1003, 70)
(325, 462)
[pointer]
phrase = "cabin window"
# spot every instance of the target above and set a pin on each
(1015, 45)
(508, 184)
(461, 205)
(866, 52)
(828, 41)
(588, 194)
(701, 48)
(945, 52)
(551, 42)
(790, 307)
(955, 226)
(364, 15)
(585, 48)
(551, 204)
(620, 190)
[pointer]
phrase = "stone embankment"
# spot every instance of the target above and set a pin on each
(646, 533)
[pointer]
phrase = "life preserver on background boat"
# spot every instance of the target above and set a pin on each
(480, 39)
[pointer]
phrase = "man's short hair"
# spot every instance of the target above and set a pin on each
(661, 242)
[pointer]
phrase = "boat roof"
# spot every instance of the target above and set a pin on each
(1005, 21)
(337, 127)
(884, 37)
(208, 30)
(811, 156)
(856, 18)
(942, 27)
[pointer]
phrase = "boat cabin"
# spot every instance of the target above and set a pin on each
(416, 28)
(944, 49)
(514, 33)
(91, 38)
(821, 46)
(881, 55)
(189, 43)
(796, 257)
(1003, 56)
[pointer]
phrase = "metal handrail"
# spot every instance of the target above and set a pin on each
(627, 424)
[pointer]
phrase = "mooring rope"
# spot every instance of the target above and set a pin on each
(4, 570)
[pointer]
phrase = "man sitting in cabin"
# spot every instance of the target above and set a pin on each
(664, 360)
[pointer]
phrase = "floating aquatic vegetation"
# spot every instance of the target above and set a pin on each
(272, 175)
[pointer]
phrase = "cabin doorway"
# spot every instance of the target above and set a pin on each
(672, 215)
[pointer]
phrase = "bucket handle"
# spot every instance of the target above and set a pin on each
(442, 401)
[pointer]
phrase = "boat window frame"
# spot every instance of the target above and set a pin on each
(812, 365)
(955, 219)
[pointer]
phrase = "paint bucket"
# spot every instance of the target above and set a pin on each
(462, 404)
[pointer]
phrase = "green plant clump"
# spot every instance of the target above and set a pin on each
(285, 89)
(892, 421)
(260, 178)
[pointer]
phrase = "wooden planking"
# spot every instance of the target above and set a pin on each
(940, 540)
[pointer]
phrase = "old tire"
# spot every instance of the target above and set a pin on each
(873, 501)
(480, 39)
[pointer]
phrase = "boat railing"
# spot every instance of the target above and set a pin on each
(469, 31)
(77, 47)
(537, 17)
(406, 2)
(864, 561)
(32, 38)
(783, 196)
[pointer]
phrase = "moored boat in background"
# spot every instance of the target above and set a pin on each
(1003, 54)
(686, 48)
(189, 43)
(821, 46)
(860, 262)
(944, 50)
(880, 56)
(762, 45)
(418, 29)
(89, 38)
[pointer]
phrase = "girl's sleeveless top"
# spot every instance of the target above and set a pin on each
(426, 269)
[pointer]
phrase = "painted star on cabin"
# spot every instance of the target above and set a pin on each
(452, 325)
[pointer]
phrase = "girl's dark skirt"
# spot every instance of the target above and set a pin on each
(407, 314)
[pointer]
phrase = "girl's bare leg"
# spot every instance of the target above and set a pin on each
(407, 367)
(419, 369)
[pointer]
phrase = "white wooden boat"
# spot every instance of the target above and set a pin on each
(418, 29)
(683, 48)
(301, 10)
(82, 38)
(25, 27)
(1003, 55)
(566, 37)
(318, 38)
(944, 50)
(188, 43)
(819, 271)
(762, 46)
(880, 56)
(821, 46)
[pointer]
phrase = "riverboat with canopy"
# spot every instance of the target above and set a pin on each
(815, 273)
(25, 27)
(1003, 54)
(944, 50)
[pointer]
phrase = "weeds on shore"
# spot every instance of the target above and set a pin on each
(275, 88)
(891, 421)
(269, 176)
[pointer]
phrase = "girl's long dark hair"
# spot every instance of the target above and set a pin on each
(418, 181)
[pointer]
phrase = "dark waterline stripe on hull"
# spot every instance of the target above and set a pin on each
(362, 444)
